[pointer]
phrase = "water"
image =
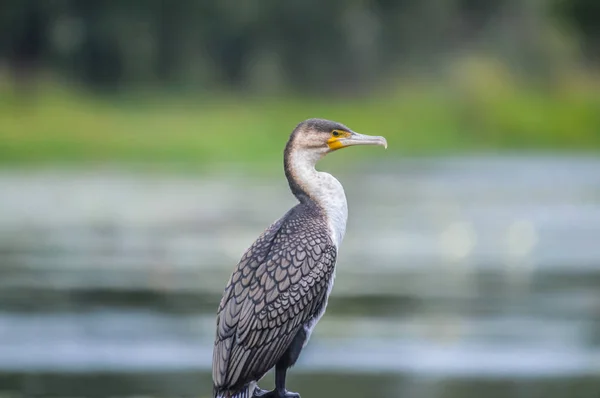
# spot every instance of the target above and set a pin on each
(457, 278)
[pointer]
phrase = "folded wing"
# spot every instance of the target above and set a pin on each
(280, 284)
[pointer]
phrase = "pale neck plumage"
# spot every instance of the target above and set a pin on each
(308, 184)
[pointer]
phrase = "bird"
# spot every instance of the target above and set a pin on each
(279, 289)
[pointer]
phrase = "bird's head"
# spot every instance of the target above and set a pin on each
(318, 137)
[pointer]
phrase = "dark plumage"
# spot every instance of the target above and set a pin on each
(279, 289)
(279, 286)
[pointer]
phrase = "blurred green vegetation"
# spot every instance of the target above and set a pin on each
(308, 45)
(193, 83)
(481, 110)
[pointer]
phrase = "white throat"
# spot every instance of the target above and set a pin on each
(323, 188)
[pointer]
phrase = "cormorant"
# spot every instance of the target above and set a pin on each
(279, 289)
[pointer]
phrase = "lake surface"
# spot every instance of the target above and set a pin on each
(458, 277)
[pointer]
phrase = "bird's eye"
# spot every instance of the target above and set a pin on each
(335, 133)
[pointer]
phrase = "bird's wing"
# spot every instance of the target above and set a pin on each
(280, 284)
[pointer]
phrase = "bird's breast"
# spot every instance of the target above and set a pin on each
(333, 201)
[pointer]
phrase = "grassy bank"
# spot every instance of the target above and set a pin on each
(71, 127)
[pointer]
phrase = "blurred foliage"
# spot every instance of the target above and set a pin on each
(67, 125)
(584, 16)
(193, 82)
(333, 46)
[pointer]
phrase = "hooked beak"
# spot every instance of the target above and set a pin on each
(362, 139)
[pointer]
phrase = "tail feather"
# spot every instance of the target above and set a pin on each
(246, 392)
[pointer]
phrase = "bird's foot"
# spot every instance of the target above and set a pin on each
(260, 393)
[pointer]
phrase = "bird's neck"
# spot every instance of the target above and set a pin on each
(310, 185)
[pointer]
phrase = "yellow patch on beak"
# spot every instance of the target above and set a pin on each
(334, 142)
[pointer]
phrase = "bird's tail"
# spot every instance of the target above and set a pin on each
(246, 392)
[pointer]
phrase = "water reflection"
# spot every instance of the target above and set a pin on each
(457, 278)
